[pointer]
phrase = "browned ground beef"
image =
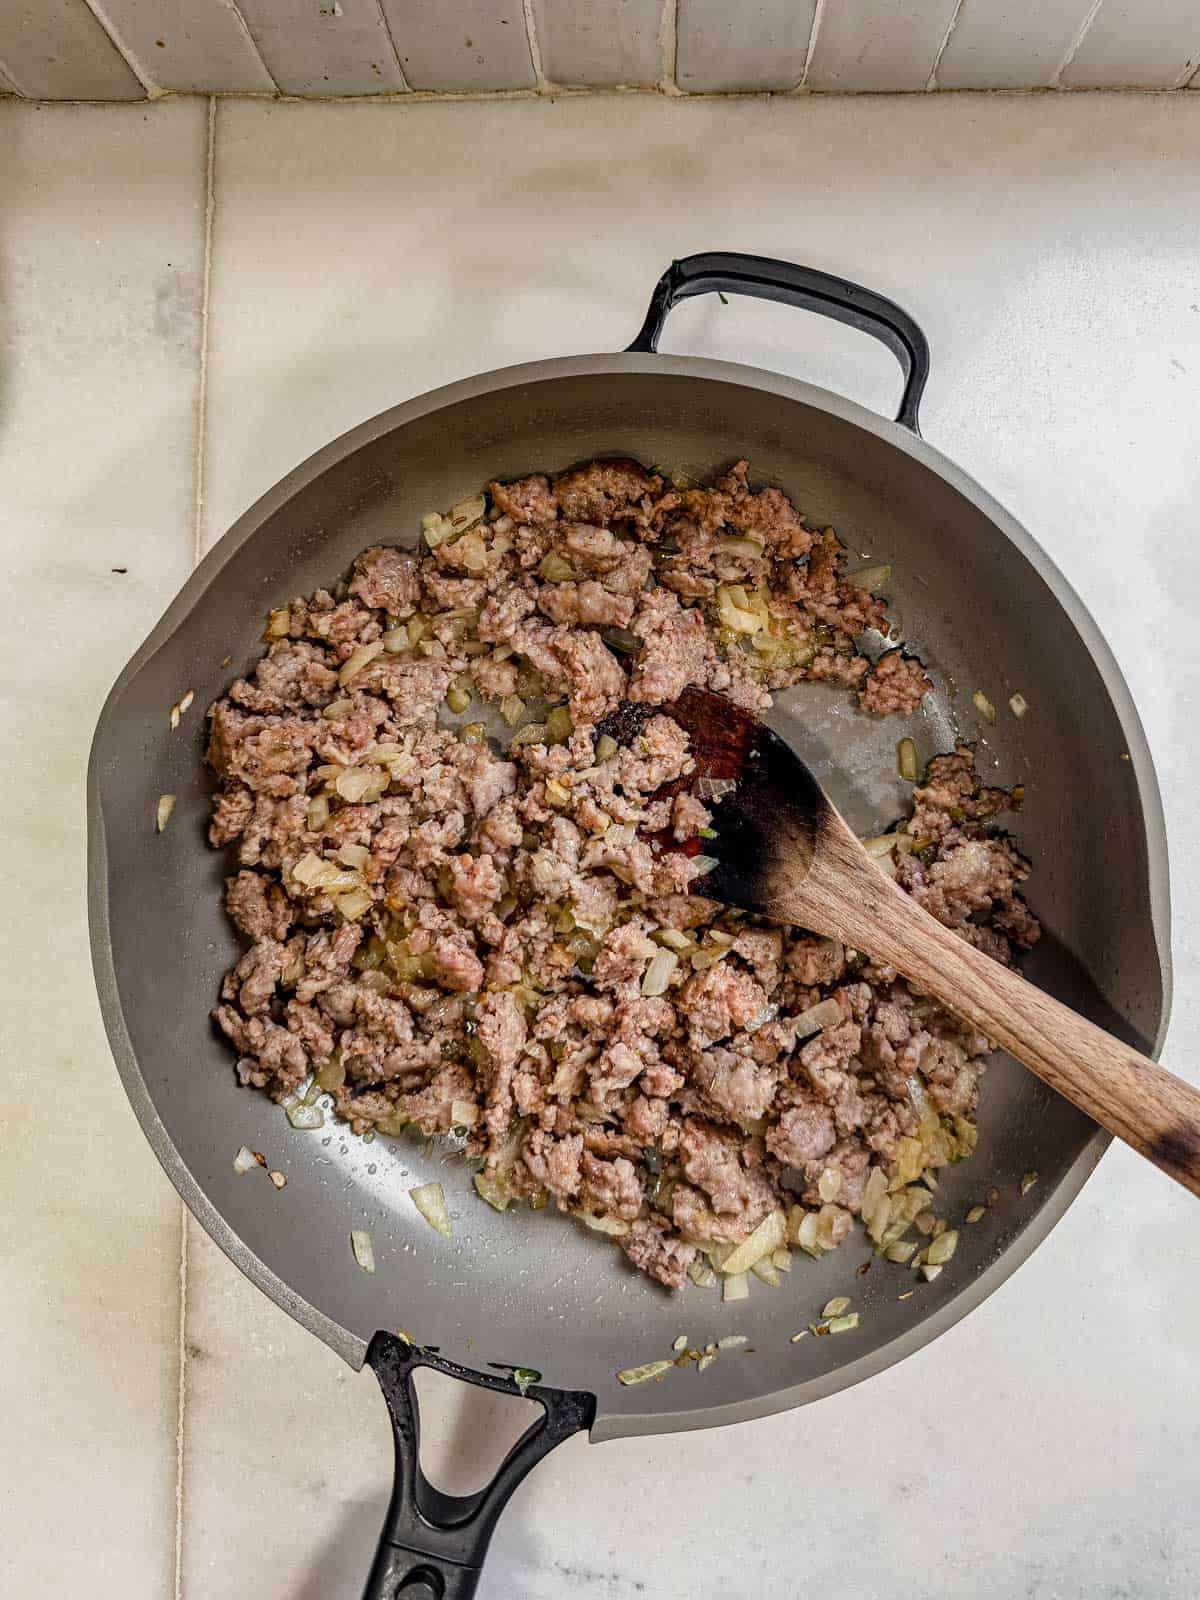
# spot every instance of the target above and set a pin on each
(448, 932)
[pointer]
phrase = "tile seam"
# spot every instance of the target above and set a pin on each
(814, 30)
(1074, 47)
(210, 206)
(417, 97)
(114, 38)
(535, 52)
(181, 1403)
(405, 86)
(668, 44)
(236, 9)
(931, 82)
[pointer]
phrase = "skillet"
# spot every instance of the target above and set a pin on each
(979, 601)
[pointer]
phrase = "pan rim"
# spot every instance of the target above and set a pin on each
(349, 1345)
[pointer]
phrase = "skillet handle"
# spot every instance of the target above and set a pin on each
(727, 272)
(433, 1544)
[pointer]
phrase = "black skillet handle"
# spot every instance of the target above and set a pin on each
(433, 1544)
(724, 272)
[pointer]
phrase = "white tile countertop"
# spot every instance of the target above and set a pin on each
(192, 299)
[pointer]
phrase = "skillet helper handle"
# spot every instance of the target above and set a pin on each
(433, 1545)
(730, 272)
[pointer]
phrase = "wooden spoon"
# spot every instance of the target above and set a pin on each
(785, 853)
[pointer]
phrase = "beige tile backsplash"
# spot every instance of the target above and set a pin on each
(57, 48)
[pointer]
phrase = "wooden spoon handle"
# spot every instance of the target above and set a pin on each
(1124, 1091)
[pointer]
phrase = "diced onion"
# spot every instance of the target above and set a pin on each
(835, 1307)
(739, 547)
(613, 1227)
(458, 700)
(278, 1179)
(463, 1113)
(901, 1252)
(882, 845)
(337, 709)
(306, 1117)
(1018, 705)
(318, 813)
(395, 640)
(976, 1214)
(361, 657)
(823, 1015)
(353, 855)
(308, 869)
(703, 865)
(765, 1272)
(766, 1238)
(1028, 1181)
(906, 760)
(364, 1250)
(844, 1324)
(430, 1201)
(606, 747)
(278, 623)
(467, 512)
(737, 620)
(353, 905)
(735, 1288)
(531, 733)
(829, 1184)
(559, 726)
(984, 706)
(681, 1343)
(731, 1341)
(245, 1160)
(185, 703)
(512, 709)
(658, 974)
(942, 1248)
(930, 1270)
(356, 784)
(651, 1369)
(472, 553)
(555, 569)
(493, 1191)
(701, 1274)
(436, 528)
(162, 813)
(870, 577)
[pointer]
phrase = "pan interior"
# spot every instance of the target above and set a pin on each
(535, 1290)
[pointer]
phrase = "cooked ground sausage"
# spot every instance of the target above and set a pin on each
(437, 923)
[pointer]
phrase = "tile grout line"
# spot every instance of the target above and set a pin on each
(931, 82)
(535, 50)
(210, 168)
(668, 46)
(181, 1407)
(1073, 48)
(152, 90)
(210, 206)
(814, 30)
(391, 39)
